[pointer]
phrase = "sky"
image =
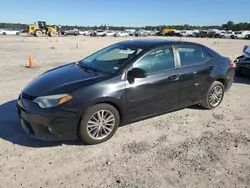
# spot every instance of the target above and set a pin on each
(125, 12)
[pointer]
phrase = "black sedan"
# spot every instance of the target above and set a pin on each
(122, 83)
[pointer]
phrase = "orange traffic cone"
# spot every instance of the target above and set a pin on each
(31, 64)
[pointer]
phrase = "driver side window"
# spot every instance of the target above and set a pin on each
(158, 60)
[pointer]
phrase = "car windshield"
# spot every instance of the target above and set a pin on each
(110, 59)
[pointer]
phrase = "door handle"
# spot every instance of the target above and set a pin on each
(173, 77)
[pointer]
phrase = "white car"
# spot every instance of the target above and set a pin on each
(187, 33)
(122, 34)
(100, 33)
(86, 33)
(229, 34)
(9, 31)
(241, 34)
(110, 33)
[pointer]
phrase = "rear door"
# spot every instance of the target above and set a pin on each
(158, 92)
(194, 70)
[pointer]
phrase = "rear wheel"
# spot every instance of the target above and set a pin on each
(99, 124)
(214, 96)
(38, 33)
(4, 33)
(17, 33)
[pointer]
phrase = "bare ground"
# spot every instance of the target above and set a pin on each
(187, 148)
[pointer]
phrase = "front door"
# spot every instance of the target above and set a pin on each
(158, 92)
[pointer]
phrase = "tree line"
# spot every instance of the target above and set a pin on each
(230, 25)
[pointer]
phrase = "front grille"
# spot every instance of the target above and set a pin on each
(28, 96)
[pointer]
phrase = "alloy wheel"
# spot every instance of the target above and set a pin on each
(215, 96)
(100, 124)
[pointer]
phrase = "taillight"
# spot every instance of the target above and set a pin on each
(232, 64)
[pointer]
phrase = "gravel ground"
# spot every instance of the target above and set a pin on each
(191, 147)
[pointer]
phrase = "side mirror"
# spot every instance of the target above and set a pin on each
(137, 73)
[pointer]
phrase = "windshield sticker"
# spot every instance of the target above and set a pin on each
(128, 51)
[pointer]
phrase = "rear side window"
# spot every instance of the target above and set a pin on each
(192, 55)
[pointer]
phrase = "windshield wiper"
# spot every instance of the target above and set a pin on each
(87, 68)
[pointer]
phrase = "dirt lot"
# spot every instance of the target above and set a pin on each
(187, 148)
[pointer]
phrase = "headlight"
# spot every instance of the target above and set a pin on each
(52, 100)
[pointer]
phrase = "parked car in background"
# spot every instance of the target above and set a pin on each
(110, 33)
(98, 33)
(220, 34)
(141, 33)
(152, 33)
(241, 34)
(229, 34)
(130, 32)
(202, 34)
(121, 34)
(243, 62)
(211, 34)
(120, 84)
(186, 33)
(70, 31)
(85, 33)
(101, 33)
(9, 31)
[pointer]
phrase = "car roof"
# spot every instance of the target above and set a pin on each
(151, 43)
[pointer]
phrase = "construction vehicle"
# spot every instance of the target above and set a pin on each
(167, 32)
(41, 29)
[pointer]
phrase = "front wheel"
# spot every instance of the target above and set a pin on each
(99, 124)
(52, 33)
(214, 96)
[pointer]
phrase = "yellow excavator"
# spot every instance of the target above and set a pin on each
(40, 28)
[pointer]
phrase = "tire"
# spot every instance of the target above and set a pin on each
(17, 33)
(206, 102)
(4, 33)
(84, 132)
(65, 34)
(38, 33)
(52, 33)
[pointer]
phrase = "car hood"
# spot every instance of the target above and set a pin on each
(64, 79)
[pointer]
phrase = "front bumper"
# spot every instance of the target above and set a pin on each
(59, 125)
